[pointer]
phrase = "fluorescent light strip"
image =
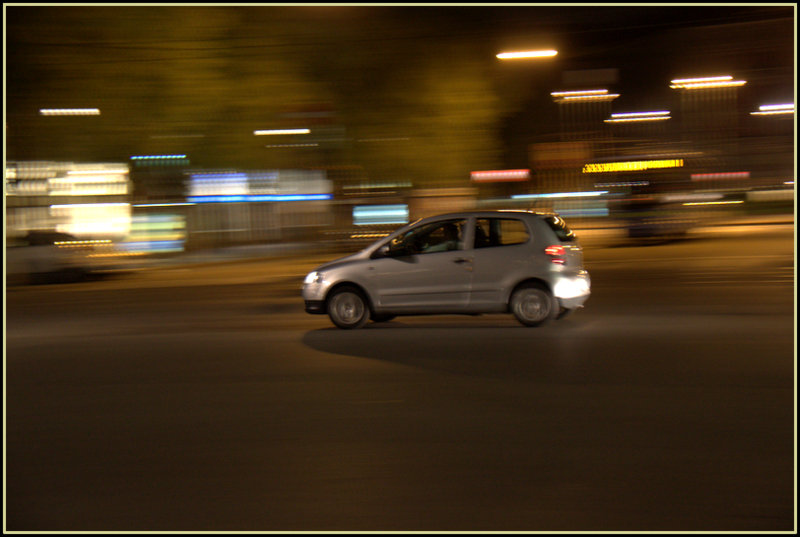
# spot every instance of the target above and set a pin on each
(560, 195)
(281, 131)
(701, 80)
(258, 197)
(70, 111)
(704, 85)
(772, 113)
(154, 157)
(161, 204)
(581, 92)
(768, 107)
(640, 114)
(608, 97)
(527, 54)
(632, 119)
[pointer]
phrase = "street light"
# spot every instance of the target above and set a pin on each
(706, 82)
(584, 95)
(774, 109)
(281, 131)
(638, 116)
(70, 111)
(526, 54)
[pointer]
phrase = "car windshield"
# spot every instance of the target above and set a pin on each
(562, 231)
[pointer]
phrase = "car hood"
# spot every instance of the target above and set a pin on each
(363, 254)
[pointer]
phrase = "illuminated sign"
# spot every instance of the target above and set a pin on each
(160, 160)
(256, 197)
(636, 165)
(723, 175)
(500, 175)
(380, 214)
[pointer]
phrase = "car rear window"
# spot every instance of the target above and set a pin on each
(491, 232)
(560, 228)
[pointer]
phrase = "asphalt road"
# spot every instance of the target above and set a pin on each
(203, 398)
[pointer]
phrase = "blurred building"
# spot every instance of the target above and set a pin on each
(241, 207)
(89, 201)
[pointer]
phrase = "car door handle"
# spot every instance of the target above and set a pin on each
(462, 260)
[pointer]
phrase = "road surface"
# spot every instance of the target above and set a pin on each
(203, 398)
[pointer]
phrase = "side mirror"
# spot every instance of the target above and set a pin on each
(391, 250)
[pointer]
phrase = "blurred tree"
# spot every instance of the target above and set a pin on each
(417, 105)
(406, 105)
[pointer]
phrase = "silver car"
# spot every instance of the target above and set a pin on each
(528, 263)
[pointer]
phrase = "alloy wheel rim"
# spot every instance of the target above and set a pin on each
(348, 307)
(532, 306)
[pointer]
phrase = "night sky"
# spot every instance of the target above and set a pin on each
(647, 45)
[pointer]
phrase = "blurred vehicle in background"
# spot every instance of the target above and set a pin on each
(526, 263)
(47, 257)
(649, 216)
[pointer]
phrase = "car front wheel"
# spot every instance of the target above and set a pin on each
(347, 308)
(533, 305)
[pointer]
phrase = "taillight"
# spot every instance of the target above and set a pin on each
(556, 253)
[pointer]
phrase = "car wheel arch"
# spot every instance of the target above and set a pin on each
(527, 281)
(353, 285)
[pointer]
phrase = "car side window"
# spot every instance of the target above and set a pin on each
(491, 232)
(435, 237)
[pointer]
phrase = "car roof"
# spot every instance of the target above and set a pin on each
(489, 213)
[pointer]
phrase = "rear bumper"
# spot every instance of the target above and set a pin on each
(572, 290)
(572, 303)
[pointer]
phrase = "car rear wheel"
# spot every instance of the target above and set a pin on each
(533, 305)
(347, 308)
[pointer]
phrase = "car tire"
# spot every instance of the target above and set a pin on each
(382, 318)
(533, 305)
(347, 308)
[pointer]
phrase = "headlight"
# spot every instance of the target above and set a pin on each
(313, 277)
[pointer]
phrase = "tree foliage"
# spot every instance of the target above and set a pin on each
(406, 105)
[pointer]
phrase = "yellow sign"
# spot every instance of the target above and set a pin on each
(632, 166)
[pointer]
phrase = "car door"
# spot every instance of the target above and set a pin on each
(426, 270)
(501, 254)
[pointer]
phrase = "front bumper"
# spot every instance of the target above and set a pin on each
(314, 297)
(316, 307)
